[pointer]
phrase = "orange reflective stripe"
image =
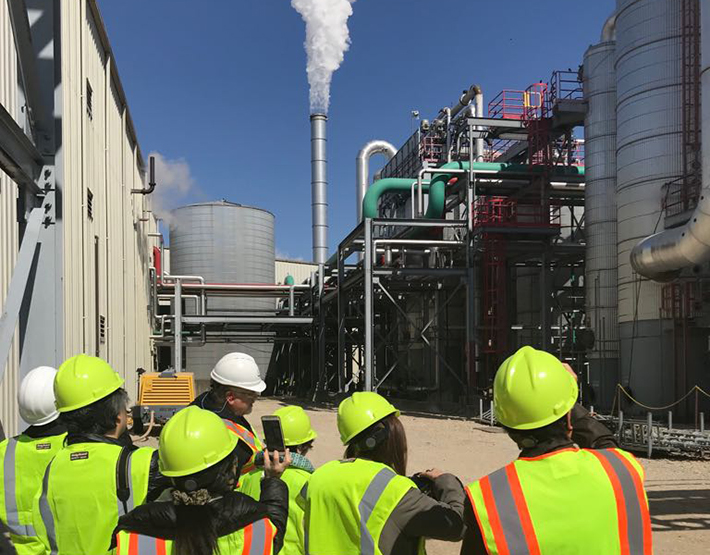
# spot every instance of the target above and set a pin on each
(523, 511)
(160, 546)
(118, 544)
(247, 540)
(269, 541)
(478, 519)
(133, 544)
(641, 495)
(620, 502)
(242, 432)
(494, 517)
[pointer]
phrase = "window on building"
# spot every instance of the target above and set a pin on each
(89, 204)
(89, 100)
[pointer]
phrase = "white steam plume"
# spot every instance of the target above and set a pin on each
(327, 40)
(176, 185)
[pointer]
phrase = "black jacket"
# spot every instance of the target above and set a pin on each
(234, 511)
(157, 483)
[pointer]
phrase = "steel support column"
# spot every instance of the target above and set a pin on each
(369, 307)
(177, 324)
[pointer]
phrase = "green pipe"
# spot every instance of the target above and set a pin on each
(384, 186)
(437, 188)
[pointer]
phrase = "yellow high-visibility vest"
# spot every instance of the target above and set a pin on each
(24, 460)
(78, 507)
(347, 504)
(255, 539)
(579, 501)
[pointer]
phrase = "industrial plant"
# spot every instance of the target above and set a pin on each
(570, 215)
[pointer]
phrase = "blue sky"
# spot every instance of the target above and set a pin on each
(219, 87)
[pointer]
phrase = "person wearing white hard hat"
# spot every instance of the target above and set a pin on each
(235, 384)
(24, 458)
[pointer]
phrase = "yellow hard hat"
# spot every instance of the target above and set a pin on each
(533, 389)
(360, 411)
(193, 440)
(83, 380)
(296, 425)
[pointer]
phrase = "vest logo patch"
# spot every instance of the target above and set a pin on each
(79, 456)
(43, 446)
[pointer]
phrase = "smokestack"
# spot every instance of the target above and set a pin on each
(319, 184)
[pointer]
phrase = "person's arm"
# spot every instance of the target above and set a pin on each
(588, 432)
(418, 515)
(274, 498)
(472, 538)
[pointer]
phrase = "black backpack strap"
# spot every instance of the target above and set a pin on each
(123, 486)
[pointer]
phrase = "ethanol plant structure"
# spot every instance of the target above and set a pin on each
(528, 219)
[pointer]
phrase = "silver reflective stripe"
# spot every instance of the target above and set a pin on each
(634, 513)
(46, 513)
(258, 538)
(146, 545)
(367, 504)
(508, 513)
(242, 433)
(10, 485)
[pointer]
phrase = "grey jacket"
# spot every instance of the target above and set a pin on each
(417, 515)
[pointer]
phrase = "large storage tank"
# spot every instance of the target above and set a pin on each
(649, 154)
(225, 242)
(600, 218)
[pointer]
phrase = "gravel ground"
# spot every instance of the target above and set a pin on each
(678, 490)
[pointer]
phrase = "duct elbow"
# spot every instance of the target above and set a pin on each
(609, 29)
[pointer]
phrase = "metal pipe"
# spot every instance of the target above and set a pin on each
(609, 29)
(177, 355)
(151, 179)
(362, 168)
(662, 256)
(319, 186)
(369, 307)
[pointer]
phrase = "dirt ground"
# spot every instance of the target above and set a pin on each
(678, 490)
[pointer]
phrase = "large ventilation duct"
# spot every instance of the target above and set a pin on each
(363, 168)
(319, 185)
(600, 212)
(663, 255)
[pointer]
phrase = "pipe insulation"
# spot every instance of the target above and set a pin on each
(663, 255)
(319, 186)
(363, 168)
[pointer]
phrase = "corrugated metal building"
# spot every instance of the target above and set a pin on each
(106, 247)
(300, 270)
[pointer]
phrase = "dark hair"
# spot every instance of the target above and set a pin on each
(527, 439)
(97, 418)
(196, 530)
(219, 391)
(303, 448)
(392, 451)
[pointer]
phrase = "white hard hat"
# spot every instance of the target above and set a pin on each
(238, 370)
(36, 396)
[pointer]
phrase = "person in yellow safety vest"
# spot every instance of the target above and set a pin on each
(203, 514)
(365, 504)
(96, 476)
(235, 384)
(556, 497)
(25, 457)
(298, 438)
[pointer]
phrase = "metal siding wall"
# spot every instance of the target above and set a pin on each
(9, 240)
(301, 271)
(101, 154)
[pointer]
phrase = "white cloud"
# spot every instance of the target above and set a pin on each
(282, 255)
(175, 184)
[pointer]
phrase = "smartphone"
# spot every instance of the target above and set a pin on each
(273, 433)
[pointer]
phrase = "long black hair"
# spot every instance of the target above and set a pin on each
(197, 516)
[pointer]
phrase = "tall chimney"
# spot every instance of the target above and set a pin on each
(319, 184)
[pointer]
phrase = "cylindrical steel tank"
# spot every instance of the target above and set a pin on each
(224, 242)
(649, 154)
(600, 217)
